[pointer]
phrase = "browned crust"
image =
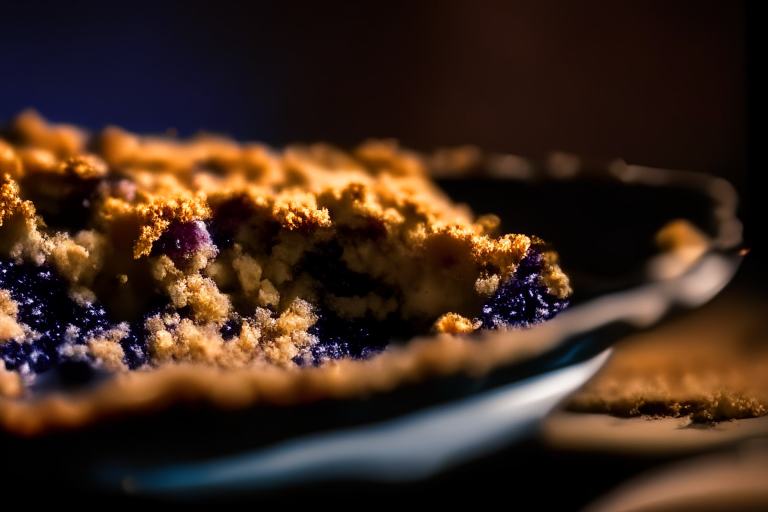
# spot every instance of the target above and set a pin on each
(134, 392)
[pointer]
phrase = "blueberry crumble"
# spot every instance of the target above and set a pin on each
(121, 252)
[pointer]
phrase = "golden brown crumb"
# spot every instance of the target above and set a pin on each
(10, 383)
(300, 212)
(277, 339)
(451, 323)
(8, 306)
(268, 294)
(10, 163)
(106, 349)
(84, 167)
(63, 140)
(38, 160)
(10, 202)
(487, 285)
(248, 271)
(9, 328)
(682, 244)
(679, 234)
(553, 277)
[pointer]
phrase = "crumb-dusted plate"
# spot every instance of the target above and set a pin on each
(603, 221)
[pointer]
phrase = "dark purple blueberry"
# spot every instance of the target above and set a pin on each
(339, 338)
(29, 357)
(45, 306)
(522, 301)
(135, 347)
(232, 328)
(182, 240)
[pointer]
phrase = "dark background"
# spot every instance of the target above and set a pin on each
(671, 84)
(660, 83)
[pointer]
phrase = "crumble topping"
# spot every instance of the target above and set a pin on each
(137, 252)
(10, 202)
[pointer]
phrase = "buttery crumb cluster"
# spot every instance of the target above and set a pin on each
(123, 252)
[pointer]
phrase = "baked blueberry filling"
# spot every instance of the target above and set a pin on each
(339, 338)
(233, 327)
(56, 324)
(523, 300)
(56, 321)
